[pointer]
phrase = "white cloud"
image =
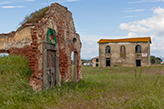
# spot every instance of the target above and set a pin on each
(128, 16)
(142, 1)
(89, 48)
(131, 34)
(152, 37)
(136, 10)
(30, 0)
(157, 45)
(13, 1)
(152, 27)
(89, 52)
(12, 7)
(72, 0)
(60, 1)
(153, 24)
(133, 27)
(5, 2)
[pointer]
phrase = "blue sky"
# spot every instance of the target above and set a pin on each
(98, 19)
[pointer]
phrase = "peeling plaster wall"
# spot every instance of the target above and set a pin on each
(20, 39)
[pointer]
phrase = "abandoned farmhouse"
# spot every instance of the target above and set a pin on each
(123, 52)
(48, 44)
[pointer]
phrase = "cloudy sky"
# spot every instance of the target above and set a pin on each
(98, 19)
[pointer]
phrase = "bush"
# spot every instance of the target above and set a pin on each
(35, 16)
(152, 59)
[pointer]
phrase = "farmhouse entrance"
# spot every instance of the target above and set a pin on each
(138, 62)
(107, 61)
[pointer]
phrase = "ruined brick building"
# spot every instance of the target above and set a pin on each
(123, 52)
(48, 44)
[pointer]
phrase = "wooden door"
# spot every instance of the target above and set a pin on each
(51, 74)
(50, 68)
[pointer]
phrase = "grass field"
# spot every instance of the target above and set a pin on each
(117, 87)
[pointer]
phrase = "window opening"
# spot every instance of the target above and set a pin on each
(122, 49)
(138, 49)
(107, 49)
(74, 40)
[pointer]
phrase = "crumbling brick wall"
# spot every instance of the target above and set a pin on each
(59, 19)
(16, 43)
(29, 41)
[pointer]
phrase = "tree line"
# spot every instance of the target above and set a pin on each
(154, 59)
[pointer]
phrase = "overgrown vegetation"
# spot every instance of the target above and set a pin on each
(154, 60)
(35, 16)
(115, 87)
(85, 61)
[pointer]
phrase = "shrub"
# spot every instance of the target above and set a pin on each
(35, 16)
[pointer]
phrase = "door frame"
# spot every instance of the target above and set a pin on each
(47, 46)
(75, 59)
(108, 59)
(136, 63)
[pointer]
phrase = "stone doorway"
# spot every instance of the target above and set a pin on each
(107, 61)
(138, 63)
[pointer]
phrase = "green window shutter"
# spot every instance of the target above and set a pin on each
(51, 36)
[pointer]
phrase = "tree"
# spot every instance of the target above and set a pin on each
(152, 59)
(158, 60)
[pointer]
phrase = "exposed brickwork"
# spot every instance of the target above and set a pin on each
(37, 75)
(4, 51)
(59, 19)
(20, 51)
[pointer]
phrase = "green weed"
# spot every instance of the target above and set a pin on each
(100, 88)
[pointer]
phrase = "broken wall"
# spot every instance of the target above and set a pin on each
(18, 42)
(29, 40)
(59, 19)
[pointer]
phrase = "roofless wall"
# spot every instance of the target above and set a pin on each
(48, 44)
